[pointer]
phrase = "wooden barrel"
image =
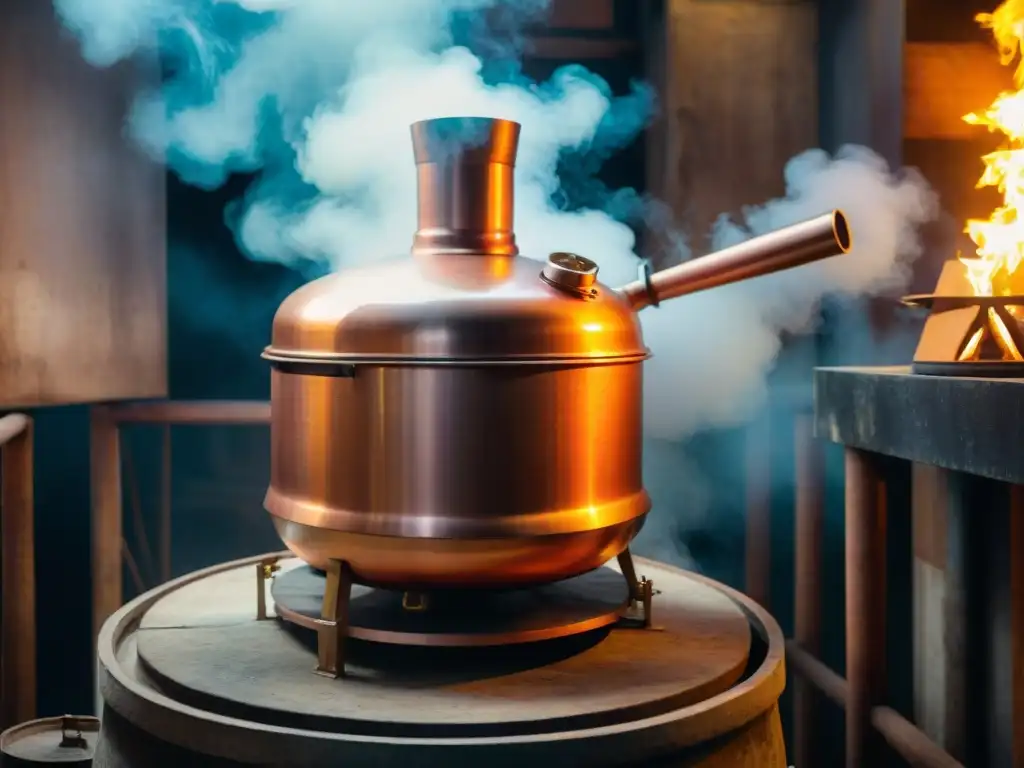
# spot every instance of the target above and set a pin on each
(69, 741)
(190, 676)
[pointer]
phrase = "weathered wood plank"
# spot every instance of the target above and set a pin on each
(739, 99)
(83, 313)
(945, 81)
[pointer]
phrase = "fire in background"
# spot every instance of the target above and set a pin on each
(995, 270)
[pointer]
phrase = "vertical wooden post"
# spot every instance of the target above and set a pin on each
(960, 630)
(165, 505)
(759, 512)
(865, 604)
(105, 490)
(18, 602)
(809, 531)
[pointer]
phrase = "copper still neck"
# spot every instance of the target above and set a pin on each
(465, 168)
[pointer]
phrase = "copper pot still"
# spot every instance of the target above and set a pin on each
(469, 417)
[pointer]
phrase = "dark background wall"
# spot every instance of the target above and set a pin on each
(220, 310)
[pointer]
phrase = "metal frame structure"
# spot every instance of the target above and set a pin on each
(18, 577)
(110, 552)
(860, 693)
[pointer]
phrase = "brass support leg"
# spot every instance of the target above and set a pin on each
(647, 599)
(330, 645)
(265, 570)
(640, 591)
(629, 572)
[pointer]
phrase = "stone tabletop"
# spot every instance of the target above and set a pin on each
(971, 425)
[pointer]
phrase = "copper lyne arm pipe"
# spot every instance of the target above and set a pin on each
(812, 240)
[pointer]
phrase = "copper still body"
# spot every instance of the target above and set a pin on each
(469, 417)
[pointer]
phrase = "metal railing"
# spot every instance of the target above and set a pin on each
(813, 678)
(17, 572)
(111, 555)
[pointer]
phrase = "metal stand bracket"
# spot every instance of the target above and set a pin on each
(641, 591)
(265, 570)
(333, 628)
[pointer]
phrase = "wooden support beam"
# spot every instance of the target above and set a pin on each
(107, 514)
(809, 531)
(865, 604)
(739, 98)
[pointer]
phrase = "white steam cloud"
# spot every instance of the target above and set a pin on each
(319, 94)
(713, 350)
(360, 146)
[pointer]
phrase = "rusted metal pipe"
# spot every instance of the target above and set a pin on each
(809, 531)
(903, 736)
(812, 240)
(865, 603)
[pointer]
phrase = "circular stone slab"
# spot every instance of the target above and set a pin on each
(203, 641)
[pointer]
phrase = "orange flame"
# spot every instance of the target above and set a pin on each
(999, 240)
